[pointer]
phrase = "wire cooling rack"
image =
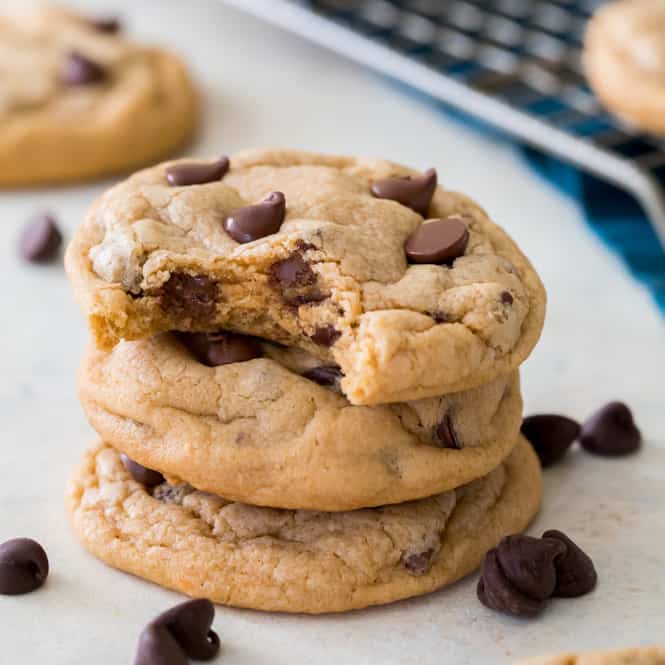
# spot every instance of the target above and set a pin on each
(514, 64)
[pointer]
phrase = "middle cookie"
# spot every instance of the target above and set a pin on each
(270, 428)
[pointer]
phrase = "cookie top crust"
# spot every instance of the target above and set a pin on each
(265, 431)
(69, 86)
(296, 561)
(334, 280)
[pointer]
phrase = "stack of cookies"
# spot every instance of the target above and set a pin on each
(304, 374)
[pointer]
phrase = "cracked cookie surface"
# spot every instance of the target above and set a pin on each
(261, 432)
(654, 655)
(333, 281)
(625, 51)
(296, 561)
(85, 101)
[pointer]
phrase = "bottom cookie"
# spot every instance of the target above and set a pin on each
(296, 560)
(638, 656)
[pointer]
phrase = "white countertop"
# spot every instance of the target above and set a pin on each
(603, 340)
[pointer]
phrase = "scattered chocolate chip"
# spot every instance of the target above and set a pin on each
(415, 192)
(40, 240)
(190, 625)
(550, 435)
(257, 221)
(79, 70)
(188, 296)
(292, 272)
(141, 474)
(419, 563)
(23, 566)
(445, 435)
(506, 298)
(108, 24)
(437, 241)
(611, 431)
(221, 348)
(158, 647)
(325, 335)
(575, 572)
(325, 375)
(197, 173)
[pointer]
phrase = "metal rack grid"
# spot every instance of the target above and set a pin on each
(514, 64)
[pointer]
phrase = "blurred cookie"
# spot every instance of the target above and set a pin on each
(639, 656)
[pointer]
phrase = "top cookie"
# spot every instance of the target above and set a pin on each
(78, 100)
(331, 262)
(624, 58)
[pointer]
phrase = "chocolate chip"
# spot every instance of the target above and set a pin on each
(419, 563)
(550, 435)
(108, 24)
(575, 572)
(40, 239)
(325, 335)
(142, 474)
(79, 70)
(158, 647)
(257, 221)
(506, 298)
(197, 173)
(324, 375)
(445, 435)
(611, 431)
(437, 241)
(439, 317)
(292, 272)
(174, 494)
(23, 566)
(188, 296)
(221, 348)
(415, 192)
(190, 625)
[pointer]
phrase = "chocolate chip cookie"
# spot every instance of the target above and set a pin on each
(624, 59)
(79, 100)
(638, 656)
(410, 289)
(296, 561)
(267, 424)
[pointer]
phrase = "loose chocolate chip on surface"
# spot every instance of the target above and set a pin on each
(221, 348)
(445, 435)
(611, 431)
(108, 24)
(438, 241)
(188, 296)
(575, 572)
(550, 435)
(141, 474)
(415, 192)
(79, 70)
(257, 221)
(506, 298)
(325, 335)
(158, 647)
(23, 566)
(293, 272)
(325, 375)
(40, 240)
(197, 173)
(420, 563)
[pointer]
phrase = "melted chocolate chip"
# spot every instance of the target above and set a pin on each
(108, 24)
(221, 348)
(325, 375)
(438, 241)
(439, 317)
(415, 192)
(445, 435)
(257, 221)
(158, 647)
(190, 297)
(419, 563)
(185, 174)
(291, 273)
(23, 566)
(190, 625)
(575, 572)
(141, 474)
(40, 240)
(611, 431)
(79, 70)
(506, 298)
(325, 335)
(550, 435)
(174, 494)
